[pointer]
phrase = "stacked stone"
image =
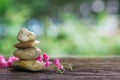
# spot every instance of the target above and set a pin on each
(27, 51)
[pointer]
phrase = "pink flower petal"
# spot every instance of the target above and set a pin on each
(45, 57)
(58, 64)
(3, 63)
(39, 58)
(2, 59)
(47, 63)
(11, 60)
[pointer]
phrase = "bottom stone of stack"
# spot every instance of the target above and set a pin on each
(31, 65)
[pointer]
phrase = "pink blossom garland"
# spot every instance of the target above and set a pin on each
(43, 58)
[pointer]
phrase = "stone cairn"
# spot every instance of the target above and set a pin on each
(27, 51)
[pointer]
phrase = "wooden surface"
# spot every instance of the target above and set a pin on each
(83, 69)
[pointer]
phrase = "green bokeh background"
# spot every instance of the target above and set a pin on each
(81, 28)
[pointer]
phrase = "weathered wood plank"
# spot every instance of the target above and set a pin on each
(83, 69)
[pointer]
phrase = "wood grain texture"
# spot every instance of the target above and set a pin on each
(83, 69)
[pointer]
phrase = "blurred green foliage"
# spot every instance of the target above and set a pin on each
(68, 27)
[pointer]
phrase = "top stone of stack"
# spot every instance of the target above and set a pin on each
(26, 38)
(24, 35)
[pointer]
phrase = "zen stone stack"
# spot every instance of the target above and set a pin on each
(27, 51)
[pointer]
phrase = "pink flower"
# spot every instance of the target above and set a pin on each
(3, 63)
(39, 58)
(11, 60)
(2, 59)
(47, 63)
(45, 57)
(58, 64)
